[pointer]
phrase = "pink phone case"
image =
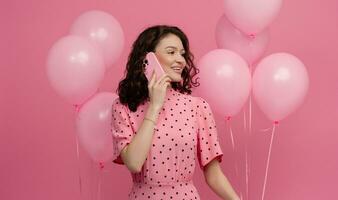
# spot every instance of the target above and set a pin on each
(153, 64)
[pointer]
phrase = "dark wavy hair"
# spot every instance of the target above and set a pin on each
(133, 89)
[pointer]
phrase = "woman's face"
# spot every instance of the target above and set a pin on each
(169, 52)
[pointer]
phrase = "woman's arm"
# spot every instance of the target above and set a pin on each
(135, 153)
(218, 182)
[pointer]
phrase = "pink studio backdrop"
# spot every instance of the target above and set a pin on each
(38, 146)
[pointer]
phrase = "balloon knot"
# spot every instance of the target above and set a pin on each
(77, 108)
(101, 165)
(276, 122)
(228, 118)
(252, 36)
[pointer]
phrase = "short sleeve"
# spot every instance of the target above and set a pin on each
(208, 147)
(121, 129)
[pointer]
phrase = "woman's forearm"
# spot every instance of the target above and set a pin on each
(222, 187)
(138, 149)
(217, 181)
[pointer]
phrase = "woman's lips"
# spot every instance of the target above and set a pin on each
(177, 70)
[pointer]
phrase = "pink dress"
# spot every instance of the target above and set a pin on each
(185, 131)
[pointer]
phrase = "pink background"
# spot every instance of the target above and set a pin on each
(38, 146)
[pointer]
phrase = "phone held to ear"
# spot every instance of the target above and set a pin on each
(152, 63)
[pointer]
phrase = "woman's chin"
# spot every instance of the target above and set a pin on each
(176, 79)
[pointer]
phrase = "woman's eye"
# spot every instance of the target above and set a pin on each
(171, 52)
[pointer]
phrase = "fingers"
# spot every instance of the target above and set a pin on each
(162, 82)
(166, 84)
(152, 80)
(163, 79)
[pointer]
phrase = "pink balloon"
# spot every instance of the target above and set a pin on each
(249, 48)
(104, 30)
(252, 17)
(280, 83)
(93, 124)
(75, 68)
(225, 81)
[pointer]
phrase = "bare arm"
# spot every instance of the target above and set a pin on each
(217, 181)
(135, 153)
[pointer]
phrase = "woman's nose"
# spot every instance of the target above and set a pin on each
(180, 59)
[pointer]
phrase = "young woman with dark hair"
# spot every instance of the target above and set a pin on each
(159, 129)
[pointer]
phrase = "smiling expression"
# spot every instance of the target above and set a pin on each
(170, 53)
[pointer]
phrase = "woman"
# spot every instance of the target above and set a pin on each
(159, 129)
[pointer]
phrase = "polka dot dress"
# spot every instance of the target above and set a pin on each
(185, 132)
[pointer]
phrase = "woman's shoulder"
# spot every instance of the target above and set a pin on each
(117, 105)
(117, 102)
(197, 99)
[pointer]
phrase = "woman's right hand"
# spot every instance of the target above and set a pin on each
(158, 89)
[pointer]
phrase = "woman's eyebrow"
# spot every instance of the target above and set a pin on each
(173, 47)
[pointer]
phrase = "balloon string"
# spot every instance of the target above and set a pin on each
(77, 109)
(79, 168)
(265, 130)
(233, 148)
(250, 114)
(232, 142)
(247, 144)
(250, 103)
(246, 155)
(92, 180)
(247, 167)
(232, 138)
(244, 120)
(268, 162)
(246, 174)
(99, 185)
(100, 177)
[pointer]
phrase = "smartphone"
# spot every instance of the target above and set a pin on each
(152, 63)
